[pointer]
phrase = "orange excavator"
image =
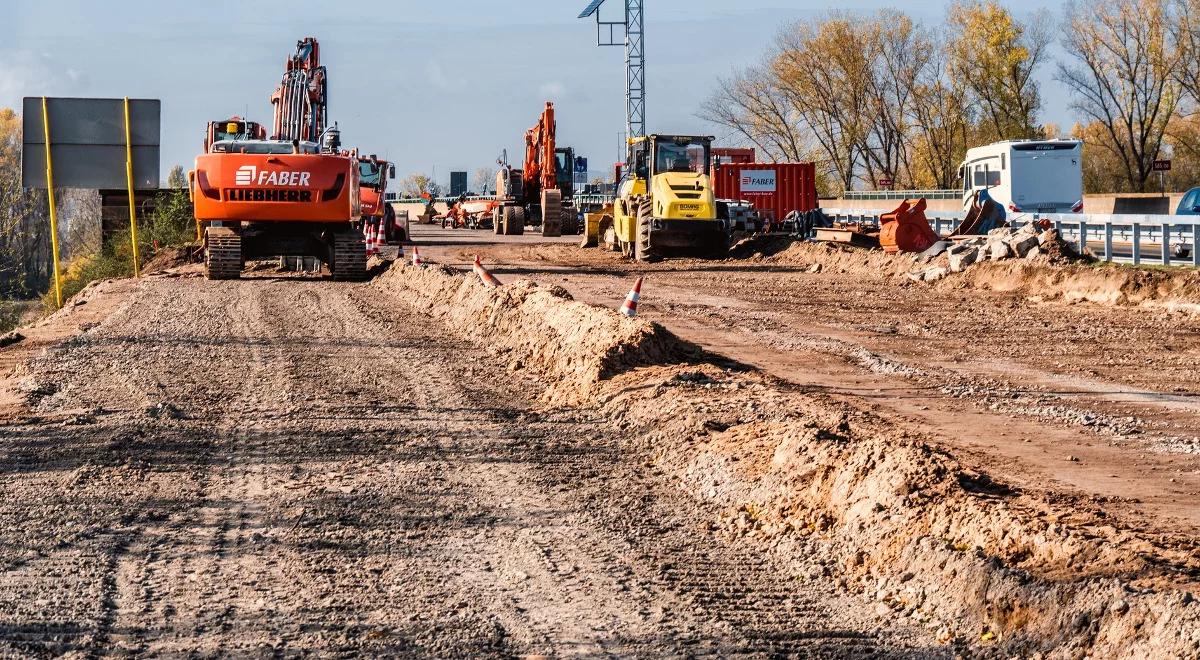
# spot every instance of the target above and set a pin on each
(295, 193)
(541, 191)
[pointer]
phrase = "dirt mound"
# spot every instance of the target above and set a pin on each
(168, 258)
(788, 250)
(574, 344)
(1111, 284)
(904, 524)
(908, 526)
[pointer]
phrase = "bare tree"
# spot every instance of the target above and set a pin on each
(997, 56)
(752, 105)
(177, 178)
(483, 180)
(1124, 78)
(824, 71)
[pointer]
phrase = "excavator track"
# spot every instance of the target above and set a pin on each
(222, 254)
(348, 261)
(552, 213)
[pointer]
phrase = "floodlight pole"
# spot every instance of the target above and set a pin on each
(635, 69)
(633, 28)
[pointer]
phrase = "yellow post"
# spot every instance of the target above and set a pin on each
(53, 209)
(129, 181)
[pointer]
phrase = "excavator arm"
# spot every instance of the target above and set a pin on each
(302, 99)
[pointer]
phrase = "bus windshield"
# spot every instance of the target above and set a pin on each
(681, 155)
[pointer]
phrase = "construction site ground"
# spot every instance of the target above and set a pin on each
(1102, 400)
(286, 464)
(283, 465)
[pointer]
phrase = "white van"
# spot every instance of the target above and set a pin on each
(1027, 176)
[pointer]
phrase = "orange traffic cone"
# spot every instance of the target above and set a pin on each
(629, 307)
(483, 273)
(374, 239)
(417, 256)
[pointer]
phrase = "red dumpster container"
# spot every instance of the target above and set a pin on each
(776, 189)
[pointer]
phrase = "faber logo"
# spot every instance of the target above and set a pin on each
(758, 181)
(248, 175)
(245, 175)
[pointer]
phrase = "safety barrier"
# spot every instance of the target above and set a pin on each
(1170, 240)
(862, 195)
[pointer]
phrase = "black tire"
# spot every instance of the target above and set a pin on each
(644, 249)
(514, 220)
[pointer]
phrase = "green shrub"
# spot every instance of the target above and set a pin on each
(171, 225)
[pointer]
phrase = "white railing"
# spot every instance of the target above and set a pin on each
(1132, 238)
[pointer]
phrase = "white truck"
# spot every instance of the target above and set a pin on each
(1026, 176)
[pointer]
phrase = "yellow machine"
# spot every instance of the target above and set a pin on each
(665, 205)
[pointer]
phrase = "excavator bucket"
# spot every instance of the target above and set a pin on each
(906, 229)
(982, 217)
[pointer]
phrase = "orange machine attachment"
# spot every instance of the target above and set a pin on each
(308, 187)
(906, 229)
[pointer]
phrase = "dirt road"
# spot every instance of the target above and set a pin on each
(271, 467)
(1089, 399)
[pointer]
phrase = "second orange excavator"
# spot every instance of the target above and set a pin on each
(542, 191)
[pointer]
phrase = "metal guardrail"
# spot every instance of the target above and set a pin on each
(863, 195)
(445, 200)
(1110, 236)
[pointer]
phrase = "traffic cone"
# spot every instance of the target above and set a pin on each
(629, 307)
(417, 256)
(372, 240)
(483, 274)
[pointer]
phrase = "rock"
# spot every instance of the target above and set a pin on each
(882, 609)
(1047, 236)
(1002, 232)
(1034, 253)
(815, 268)
(1021, 244)
(998, 250)
(11, 338)
(960, 261)
(934, 274)
(917, 276)
(933, 251)
(1120, 607)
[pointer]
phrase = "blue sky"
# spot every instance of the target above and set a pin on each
(442, 85)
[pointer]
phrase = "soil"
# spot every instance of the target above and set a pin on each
(288, 465)
(791, 452)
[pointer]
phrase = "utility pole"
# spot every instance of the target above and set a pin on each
(632, 29)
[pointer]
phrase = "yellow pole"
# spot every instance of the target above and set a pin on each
(129, 180)
(53, 209)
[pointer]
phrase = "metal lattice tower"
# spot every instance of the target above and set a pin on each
(633, 31)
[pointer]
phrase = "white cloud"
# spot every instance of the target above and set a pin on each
(27, 73)
(552, 90)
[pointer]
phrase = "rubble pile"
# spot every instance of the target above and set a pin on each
(1028, 242)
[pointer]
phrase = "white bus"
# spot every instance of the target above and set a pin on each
(1042, 176)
